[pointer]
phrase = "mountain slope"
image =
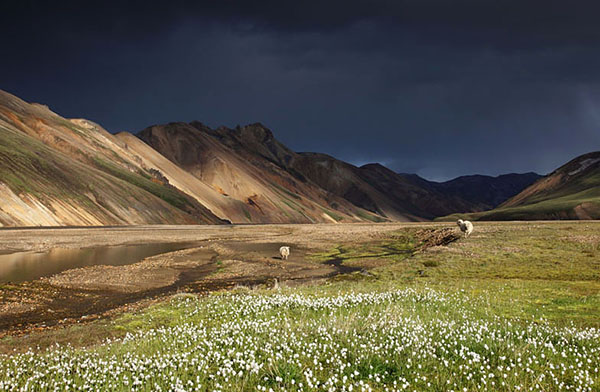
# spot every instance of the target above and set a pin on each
(570, 192)
(347, 181)
(257, 187)
(374, 187)
(55, 171)
(250, 165)
(256, 144)
(219, 204)
(418, 195)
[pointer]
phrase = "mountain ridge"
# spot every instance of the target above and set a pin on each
(371, 187)
(55, 171)
(572, 191)
(58, 171)
(269, 194)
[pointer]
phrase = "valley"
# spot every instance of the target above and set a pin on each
(510, 293)
(312, 196)
(218, 258)
(213, 258)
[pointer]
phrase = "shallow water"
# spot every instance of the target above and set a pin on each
(25, 266)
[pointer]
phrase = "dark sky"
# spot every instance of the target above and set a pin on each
(436, 87)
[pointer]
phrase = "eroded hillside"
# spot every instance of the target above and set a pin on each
(55, 171)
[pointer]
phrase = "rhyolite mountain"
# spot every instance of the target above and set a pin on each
(58, 171)
(55, 171)
(257, 189)
(248, 160)
(570, 192)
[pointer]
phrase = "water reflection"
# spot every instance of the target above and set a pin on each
(24, 266)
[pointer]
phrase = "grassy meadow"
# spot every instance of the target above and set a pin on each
(514, 307)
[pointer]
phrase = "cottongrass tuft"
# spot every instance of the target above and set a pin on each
(380, 341)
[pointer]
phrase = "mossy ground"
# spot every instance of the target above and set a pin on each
(528, 269)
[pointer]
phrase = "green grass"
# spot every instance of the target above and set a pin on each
(284, 211)
(29, 166)
(294, 206)
(247, 214)
(538, 270)
(313, 339)
(332, 214)
(26, 165)
(527, 270)
(529, 251)
(559, 208)
(370, 217)
(286, 191)
(166, 193)
(393, 250)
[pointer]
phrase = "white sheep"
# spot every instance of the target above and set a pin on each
(284, 251)
(465, 226)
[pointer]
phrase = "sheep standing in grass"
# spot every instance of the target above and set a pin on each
(465, 226)
(284, 251)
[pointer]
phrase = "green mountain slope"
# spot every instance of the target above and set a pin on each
(570, 192)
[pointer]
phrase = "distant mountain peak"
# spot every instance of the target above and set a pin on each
(581, 164)
(374, 165)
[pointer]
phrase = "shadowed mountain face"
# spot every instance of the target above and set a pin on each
(486, 192)
(219, 157)
(381, 190)
(570, 192)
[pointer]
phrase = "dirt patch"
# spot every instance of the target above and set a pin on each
(343, 269)
(432, 237)
(262, 261)
(586, 210)
(93, 292)
(89, 293)
(15, 307)
(151, 273)
(117, 279)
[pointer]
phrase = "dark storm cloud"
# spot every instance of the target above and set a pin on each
(438, 87)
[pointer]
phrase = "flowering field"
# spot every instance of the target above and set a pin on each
(408, 339)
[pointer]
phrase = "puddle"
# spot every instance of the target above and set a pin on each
(25, 266)
(341, 268)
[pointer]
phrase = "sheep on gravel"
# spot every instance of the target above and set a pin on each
(465, 226)
(284, 251)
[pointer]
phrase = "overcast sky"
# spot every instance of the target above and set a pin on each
(434, 87)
